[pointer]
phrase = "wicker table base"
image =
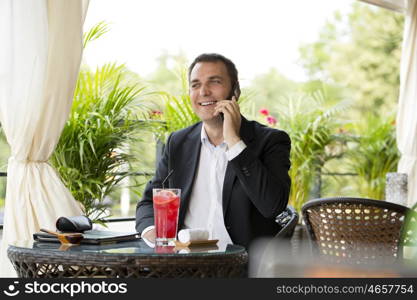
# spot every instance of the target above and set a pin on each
(34, 263)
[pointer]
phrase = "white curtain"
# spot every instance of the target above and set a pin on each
(407, 107)
(40, 55)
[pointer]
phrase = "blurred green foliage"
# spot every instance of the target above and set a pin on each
(373, 154)
(361, 53)
(312, 129)
(358, 56)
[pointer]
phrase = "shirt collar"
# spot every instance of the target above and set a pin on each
(205, 140)
(204, 137)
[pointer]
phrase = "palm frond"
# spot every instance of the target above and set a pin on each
(95, 32)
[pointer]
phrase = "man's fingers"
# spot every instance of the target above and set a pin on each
(150, 235)
(221, 109)
(232, 105)
(226, 110)
(228, 103)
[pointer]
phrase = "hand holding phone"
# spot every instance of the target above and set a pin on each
(231, 120)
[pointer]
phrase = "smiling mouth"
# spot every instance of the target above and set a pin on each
(207, 103)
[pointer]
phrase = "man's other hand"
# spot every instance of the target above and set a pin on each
(150, 236)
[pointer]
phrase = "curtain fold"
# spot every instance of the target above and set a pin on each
(407, 107)
(39, 63)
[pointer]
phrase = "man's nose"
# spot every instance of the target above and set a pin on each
(204, 90)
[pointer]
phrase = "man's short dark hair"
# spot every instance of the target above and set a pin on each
(230, 67)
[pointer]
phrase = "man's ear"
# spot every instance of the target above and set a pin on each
(233, 92)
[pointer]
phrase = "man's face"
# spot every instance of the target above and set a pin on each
(209, 83)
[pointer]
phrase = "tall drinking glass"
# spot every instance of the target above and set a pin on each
(166, 204)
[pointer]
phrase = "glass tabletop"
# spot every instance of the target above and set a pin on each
(128, 248)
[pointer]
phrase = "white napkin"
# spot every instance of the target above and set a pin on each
(189, 235)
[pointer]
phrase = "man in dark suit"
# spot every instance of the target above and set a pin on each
(233, 173)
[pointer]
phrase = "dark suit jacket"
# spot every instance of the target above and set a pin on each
(256, 185)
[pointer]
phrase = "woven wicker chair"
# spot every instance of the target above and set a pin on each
(356, 230)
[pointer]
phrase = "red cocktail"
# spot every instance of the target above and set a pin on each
(166, 204)
(165, 249)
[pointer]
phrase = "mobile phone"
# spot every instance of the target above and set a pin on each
(233, 92)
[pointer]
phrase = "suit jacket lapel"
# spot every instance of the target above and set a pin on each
(246, 134)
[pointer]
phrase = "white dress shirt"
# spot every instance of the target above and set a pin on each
(205, 209)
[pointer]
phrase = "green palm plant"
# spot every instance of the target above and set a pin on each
(374, 155)
(312, 129)
(102, 123)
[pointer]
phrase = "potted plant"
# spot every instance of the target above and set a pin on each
(373, 154)
(102, 123)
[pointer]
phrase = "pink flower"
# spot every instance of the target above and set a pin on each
(264, 111)
(156, 112)
(271, 120)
